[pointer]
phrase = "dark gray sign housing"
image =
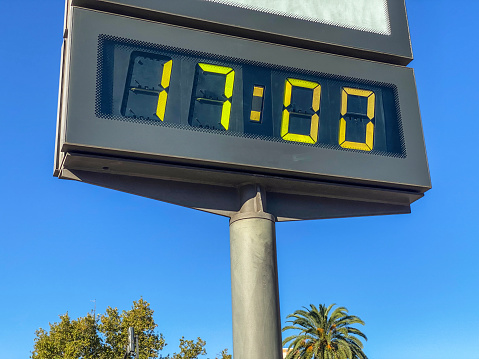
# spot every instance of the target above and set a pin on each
(380, 32)
(187, 116)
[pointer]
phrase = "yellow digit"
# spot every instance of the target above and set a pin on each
(288, 90)
(228, 91)
(367, 145)
(163, 95)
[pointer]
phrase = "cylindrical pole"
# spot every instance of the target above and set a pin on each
(254, 281)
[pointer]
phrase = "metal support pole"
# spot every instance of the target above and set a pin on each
(137, 345)
(254, 280)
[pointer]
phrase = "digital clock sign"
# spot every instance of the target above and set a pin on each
(150, 83)
(146, 101)
(257, 110)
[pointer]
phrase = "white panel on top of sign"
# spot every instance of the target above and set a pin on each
(364, 15)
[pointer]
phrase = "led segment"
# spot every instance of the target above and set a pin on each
(370, 97)
(257, 103)
(299, 112)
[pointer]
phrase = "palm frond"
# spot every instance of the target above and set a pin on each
(324, 333)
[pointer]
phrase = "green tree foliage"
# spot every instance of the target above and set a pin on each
(69, 339)
(105, 337)
(224, 355)
(114, 329)
(324, 334)
(189, 349)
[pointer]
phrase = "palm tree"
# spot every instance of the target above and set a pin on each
(324, 335)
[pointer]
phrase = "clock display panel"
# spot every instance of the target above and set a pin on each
(165, 86)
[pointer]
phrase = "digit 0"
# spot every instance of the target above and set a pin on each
(290, 112)
(368, 143)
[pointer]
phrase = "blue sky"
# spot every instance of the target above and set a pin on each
(414, 279)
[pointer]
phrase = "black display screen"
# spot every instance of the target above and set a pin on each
(166, 86)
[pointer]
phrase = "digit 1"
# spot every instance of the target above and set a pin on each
(206, 93)
(147, 85)
(290, 111)
(367, 145)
